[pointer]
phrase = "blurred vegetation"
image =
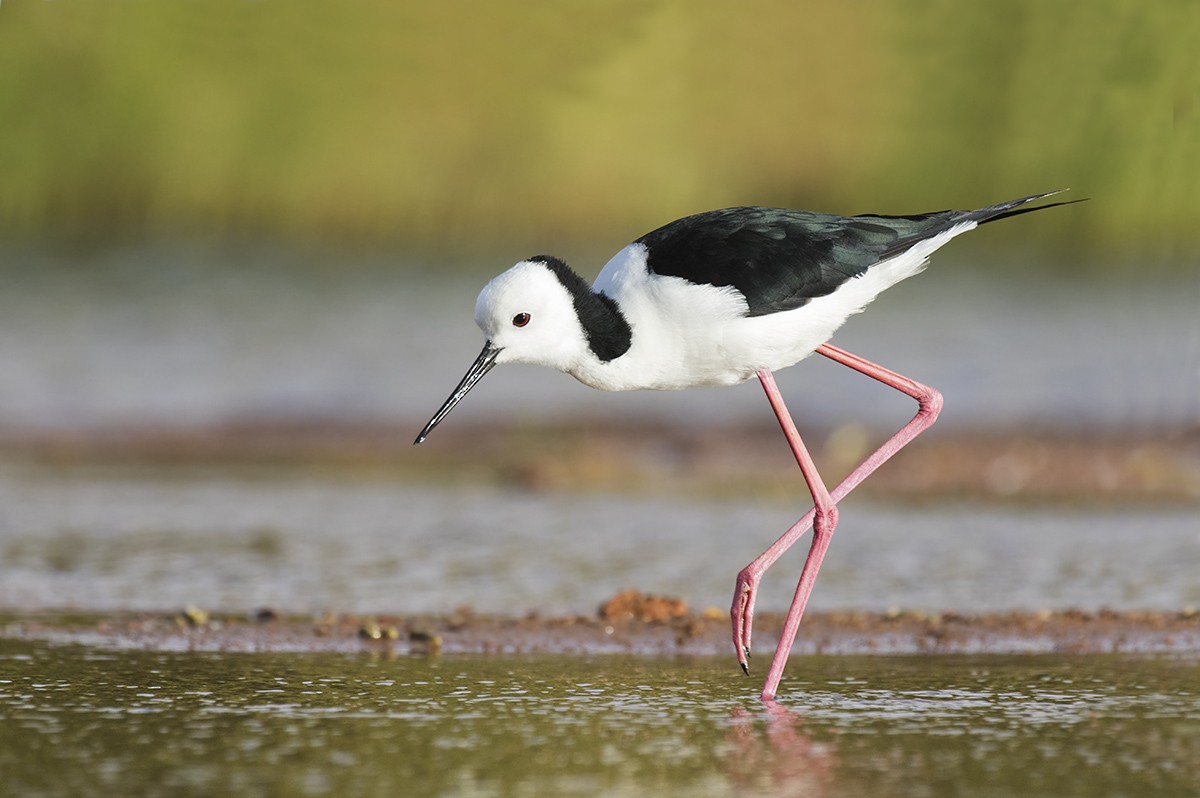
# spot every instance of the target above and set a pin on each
(468, 125)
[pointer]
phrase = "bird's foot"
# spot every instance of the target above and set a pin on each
(741, 614)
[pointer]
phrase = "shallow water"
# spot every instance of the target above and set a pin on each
(303, 543)
(178, 335)
(81, 721)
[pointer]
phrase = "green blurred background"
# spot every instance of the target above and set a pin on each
(464, 127)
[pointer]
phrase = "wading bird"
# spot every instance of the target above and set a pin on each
(715, 299)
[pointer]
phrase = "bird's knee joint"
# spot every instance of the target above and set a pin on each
(930, 404)
(826, 519)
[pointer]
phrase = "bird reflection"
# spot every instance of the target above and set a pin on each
(772, 750)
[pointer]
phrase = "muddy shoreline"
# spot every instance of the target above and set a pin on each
(686, 633)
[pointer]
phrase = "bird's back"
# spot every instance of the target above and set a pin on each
(780, 259)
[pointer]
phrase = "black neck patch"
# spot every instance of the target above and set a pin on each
(608, 333)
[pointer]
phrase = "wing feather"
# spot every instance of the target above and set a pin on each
(780, 259)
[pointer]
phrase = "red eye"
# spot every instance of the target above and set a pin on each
(520, 320)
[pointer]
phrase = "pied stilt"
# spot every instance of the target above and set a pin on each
(715, 299)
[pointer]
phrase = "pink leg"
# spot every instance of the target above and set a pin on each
(823, 516)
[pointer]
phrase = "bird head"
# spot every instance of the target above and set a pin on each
(527, 315)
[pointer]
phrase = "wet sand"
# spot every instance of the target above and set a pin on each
(629, 623)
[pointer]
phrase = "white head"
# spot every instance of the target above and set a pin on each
(528, 316)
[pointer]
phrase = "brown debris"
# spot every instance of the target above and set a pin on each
(633, 605)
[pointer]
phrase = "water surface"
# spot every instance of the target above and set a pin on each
(81, 721)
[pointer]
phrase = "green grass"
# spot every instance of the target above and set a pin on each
(478, 125)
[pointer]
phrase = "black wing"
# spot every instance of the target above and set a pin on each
(780, 259)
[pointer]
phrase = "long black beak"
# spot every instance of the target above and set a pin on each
(482, 365)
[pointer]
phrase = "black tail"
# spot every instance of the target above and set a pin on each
(928, 225)
(1004, 210)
